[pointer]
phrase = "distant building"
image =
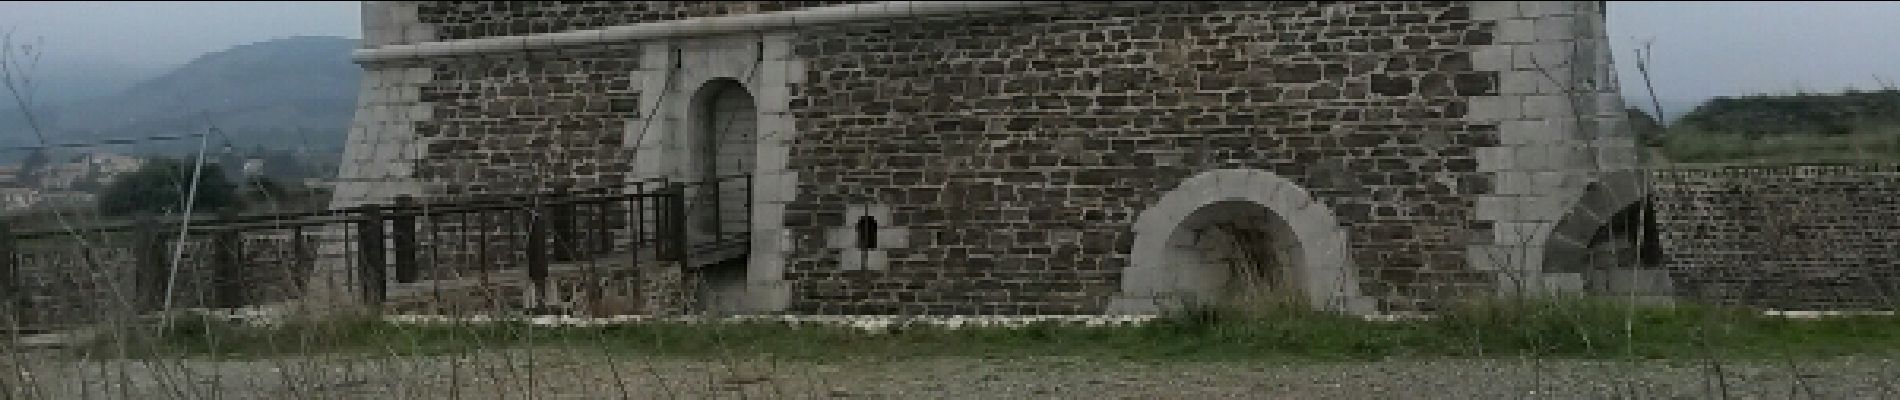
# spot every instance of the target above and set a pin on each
(66, 199)
(112, 165)
(91, 168)
(253, 167)
(63, 176)
(18, 198)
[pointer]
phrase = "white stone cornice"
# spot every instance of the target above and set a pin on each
(757, 23)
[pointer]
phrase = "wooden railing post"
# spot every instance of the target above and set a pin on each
(747, 234)
(713, 201)
(560, 215)
(636, 223)
(371, 261)
(537, 249)
(226, 268)
(676, 220)
(149, 253)
(304, 263)
(403, 234)
(603, 224)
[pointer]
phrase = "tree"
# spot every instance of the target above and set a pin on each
(1648, 131)
(30, 168)
(161, 186)
(285, 165)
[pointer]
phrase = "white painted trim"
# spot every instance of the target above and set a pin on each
(1330, 279)
(694, 27)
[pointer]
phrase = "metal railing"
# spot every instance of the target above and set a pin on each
(52, 277)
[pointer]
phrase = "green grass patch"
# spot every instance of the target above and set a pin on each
(1565, 329)
(1868, 145)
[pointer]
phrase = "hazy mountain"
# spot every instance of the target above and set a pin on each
(66, 79)
(294, 93)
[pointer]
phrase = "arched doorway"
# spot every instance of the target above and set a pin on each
(725, 121)
(728, 141)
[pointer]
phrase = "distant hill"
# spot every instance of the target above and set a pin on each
(295, 93)
(69, 78)
(1673, 109)
(1834, 113)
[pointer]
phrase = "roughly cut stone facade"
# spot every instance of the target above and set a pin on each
(476, 19)
(1792, 238)
(1417, 151)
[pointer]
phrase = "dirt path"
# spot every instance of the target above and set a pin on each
(568, 374)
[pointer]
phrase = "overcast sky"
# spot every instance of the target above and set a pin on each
(1702, 48)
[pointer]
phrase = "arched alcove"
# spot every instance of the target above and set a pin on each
(1234, 252)
(1609, 242)
(1238, 233)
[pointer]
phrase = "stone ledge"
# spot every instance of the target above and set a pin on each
(691, 27)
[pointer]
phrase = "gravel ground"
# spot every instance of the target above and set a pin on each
(571, 374)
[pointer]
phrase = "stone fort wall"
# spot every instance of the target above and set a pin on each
(1783, 237)
(1009, 153)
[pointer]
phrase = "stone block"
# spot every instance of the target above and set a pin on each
(1494, 10)
(401, 13)
(1516, 31)
(1497, 158)
(778, 46)
(1550, 58)
(1492, 58)
(777, 129)
(773, 156)
(1547, 9)
(418, 33)
(893, 238)
(1535, 132)
(415, 76)
(1552, 107)
(1503, 207)
(863, 260)
(1525, 82)
(1556, 28)
(841, 238)
(775, 187)
(1495, 108)
(767, 216)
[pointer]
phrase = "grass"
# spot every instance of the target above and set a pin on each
(1551, 329)
(1865, 145)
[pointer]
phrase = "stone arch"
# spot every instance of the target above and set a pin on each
(1311, 240)
(1608, 243)
(723, 121)
(671, 75)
